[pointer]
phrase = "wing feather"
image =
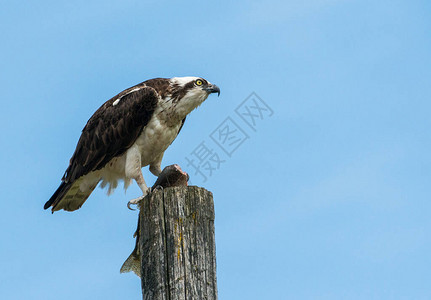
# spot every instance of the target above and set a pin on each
(112, 130)
(108, 133)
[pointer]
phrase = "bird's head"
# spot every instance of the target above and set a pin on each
(187, 93)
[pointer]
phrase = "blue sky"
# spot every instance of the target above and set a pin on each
(328, 198)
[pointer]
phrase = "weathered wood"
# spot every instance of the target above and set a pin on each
(177, 245)
(170, 176)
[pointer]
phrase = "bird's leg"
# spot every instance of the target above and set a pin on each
(141, 183)
(143, 186)
(156, 170)
(133, 170)
(155, 165)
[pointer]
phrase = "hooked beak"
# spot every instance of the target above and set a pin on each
(212, 88)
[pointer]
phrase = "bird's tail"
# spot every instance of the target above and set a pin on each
(58, 195)
(69, 196)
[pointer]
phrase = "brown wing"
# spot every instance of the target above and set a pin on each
(112, 129)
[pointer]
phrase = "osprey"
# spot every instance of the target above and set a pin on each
(130, 131)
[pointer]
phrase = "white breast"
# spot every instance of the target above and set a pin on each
(152, 143)
(155, 139)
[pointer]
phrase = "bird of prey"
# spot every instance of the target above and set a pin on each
(129, 131)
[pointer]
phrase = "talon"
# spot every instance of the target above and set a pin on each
(137, 200)
(133, 202)
(128, 206)
(159, 187)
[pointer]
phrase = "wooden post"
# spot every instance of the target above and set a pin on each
(176, 244)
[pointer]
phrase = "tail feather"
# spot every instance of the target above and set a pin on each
(58, 195)
(69, 196)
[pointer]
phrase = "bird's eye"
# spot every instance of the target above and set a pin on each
(199, 82)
